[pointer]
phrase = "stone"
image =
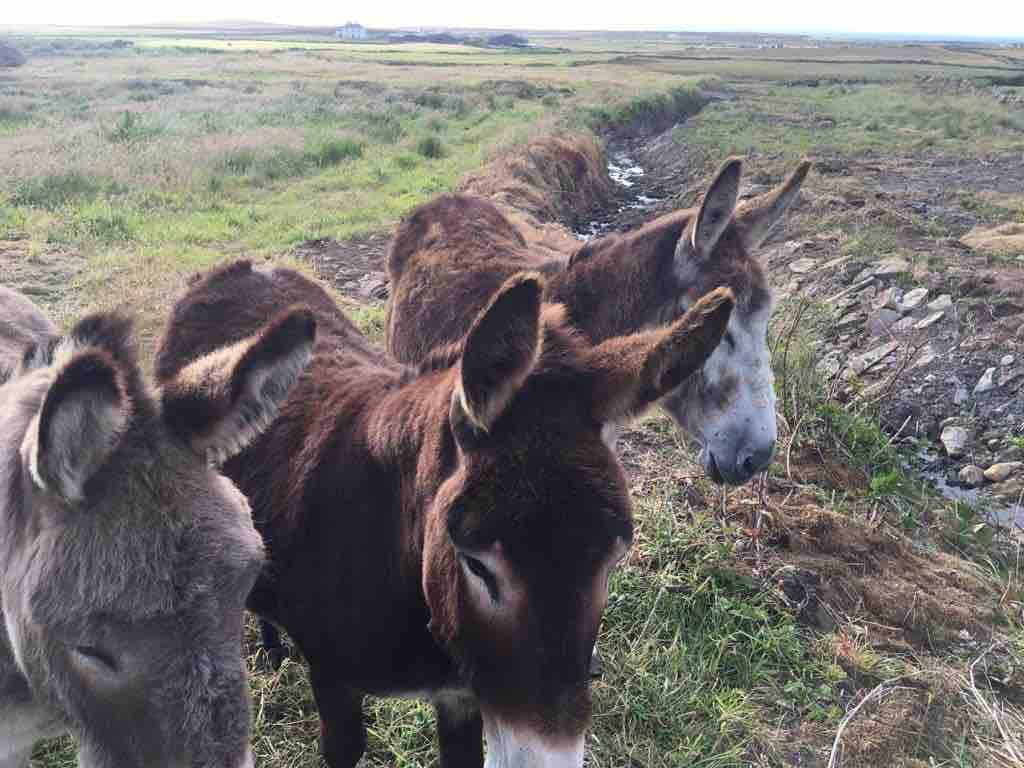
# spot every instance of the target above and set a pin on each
(904, 325)
(889, 298)
(997, 473)
(891, 267)
(913, 299)
(940, 304)
(971, 476)
(954, 440)
(850, 322)
(872, 357)
(831, 364)
(834, 263)
(929, 320)
(881, 321)
(802, 266)
(986, 382)
(927, 356)
(1006, 360)
(960, 396)
(372, 285)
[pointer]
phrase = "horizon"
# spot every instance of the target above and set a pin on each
(986, 20)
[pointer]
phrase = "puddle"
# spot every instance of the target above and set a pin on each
(626, 173)
(997, 511)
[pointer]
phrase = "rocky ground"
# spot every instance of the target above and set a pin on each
(920, 291)
(902, 259)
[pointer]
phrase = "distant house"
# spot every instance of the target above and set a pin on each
(351, 31)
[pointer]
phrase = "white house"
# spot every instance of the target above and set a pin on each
(351, 31)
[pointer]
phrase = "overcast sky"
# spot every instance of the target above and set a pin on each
(1002, 18)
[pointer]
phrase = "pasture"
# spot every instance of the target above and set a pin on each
(746, 623)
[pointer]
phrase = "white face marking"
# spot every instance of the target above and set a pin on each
(732, 411)
(509, 747)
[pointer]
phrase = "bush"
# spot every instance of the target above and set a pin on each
(336, 151)
(55, 191)
(431, 147)
(406, 161)
(430, 98)
(129, 128)
(281, 163)
(238, 162)
(381, 126)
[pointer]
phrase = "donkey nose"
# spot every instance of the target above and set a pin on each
(756, 461)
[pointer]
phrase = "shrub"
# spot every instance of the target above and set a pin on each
(336, 151)
(57, 190)
(430, 98)
(238, 161)
(436, 125)
(406, 161)
(281, 163)
(431, 147)
(129, 128)
(381, 126)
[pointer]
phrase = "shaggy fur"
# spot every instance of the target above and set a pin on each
(447, 529)
(449, 256)
(125, 559)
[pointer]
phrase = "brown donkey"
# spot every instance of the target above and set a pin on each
(450, 254)
(445, 531)
(125, 560)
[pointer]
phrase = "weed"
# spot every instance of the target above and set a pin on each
(432, 98)
(129, 128)
(406, 161)
(335, 151)
(55, 191)
(238, 162)
(431, 147)
(280, 163)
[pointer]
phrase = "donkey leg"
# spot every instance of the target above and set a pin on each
(342, 733)
(460, 730)
(270, 641)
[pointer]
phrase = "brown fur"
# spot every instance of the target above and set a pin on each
(377, 480)
(452, 253)
(444, 263)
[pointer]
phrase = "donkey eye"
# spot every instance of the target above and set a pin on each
(478, 569)
(96, 656)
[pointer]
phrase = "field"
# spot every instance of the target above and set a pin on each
(747, 624)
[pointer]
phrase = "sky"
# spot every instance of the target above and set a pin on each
(981, 18)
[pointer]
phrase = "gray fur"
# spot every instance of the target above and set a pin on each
(149, 565)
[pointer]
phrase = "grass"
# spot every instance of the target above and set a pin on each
(155, 161)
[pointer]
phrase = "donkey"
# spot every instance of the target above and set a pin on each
(446, 531)
(125, 560)
(449, 255)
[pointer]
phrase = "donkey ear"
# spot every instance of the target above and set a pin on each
(500, 350)
(756, 218)
(79, 425)
(632, 372)
(717, 208)
(223, 400)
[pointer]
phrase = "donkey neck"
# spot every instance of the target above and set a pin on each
(623, 283)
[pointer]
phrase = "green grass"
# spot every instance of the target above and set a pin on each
(849, 120)
(157, 162)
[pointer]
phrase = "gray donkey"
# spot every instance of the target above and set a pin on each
(125, 559)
